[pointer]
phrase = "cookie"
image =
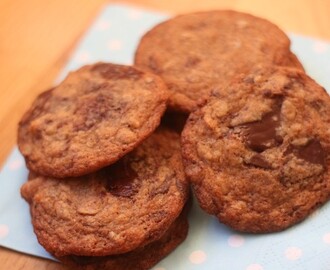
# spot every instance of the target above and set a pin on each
(199, 52)
(95, 116)
(120, 209)
(141, 259)
(257, 154)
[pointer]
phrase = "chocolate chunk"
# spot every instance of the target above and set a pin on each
(261, 135)
(120, 179)
(93, 111)
(258, 161)
(113, 72)
(312, 152)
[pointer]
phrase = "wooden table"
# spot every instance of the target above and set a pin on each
(37, 37)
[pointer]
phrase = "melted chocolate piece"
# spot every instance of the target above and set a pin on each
(261, 135)
(92, 112)
(120, 179)
(312, 152)
(258, 161)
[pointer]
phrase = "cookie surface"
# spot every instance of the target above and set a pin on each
(116, 210)
(141, 259)
(95, 116)
(195, 53)
(257, 155)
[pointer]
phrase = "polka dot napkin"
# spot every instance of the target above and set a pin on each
(210, 245)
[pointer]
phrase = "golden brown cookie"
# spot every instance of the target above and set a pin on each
(257, 154)
(124, 208)
(141, 259)
(200, 52)
(95, 116)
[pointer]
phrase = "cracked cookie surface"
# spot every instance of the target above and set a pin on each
(95, 116)
(199, 52)
(257, 154)
(116, 210)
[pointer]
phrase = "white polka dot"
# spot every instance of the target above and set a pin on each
(114, 45)
(197, 257)
(82, 57)
(134, 14)
(320, 47)
(254, 266)
(235, 240)
(15, 164)
(293, 253)
(4, 230)
(326, 238)
(102, 25)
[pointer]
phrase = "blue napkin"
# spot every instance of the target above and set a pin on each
(210, 245)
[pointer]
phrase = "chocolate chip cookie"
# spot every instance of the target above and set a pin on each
(124, 211)
(257, 153)
(140, 259)
(95, 116)
(200, 52)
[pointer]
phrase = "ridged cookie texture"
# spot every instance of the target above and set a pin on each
(95, 116)
(121, 211)
(257, 154)
(199, 52)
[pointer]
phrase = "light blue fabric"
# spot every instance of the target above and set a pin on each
(210, 245)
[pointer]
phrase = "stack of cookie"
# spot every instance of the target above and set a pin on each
(256, 145)
(107, 191)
